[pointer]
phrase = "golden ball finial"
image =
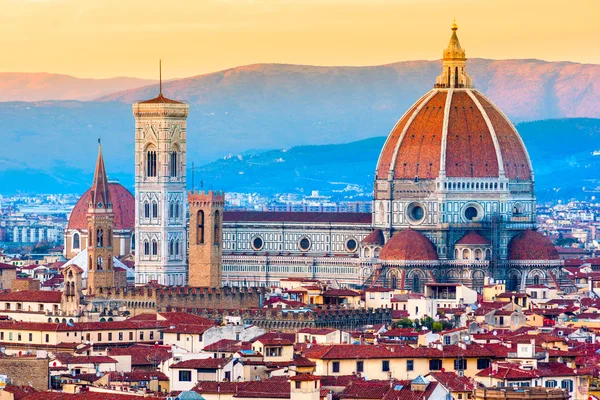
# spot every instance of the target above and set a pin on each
(454, 26)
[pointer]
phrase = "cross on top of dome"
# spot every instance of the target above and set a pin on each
(454, 59)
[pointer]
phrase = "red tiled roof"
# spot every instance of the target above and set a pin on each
(190, 329)
(340, 293)
(374, 238)
(210, 387)
(85, 396)
(532, 245)
(470, 149)
(36, 296)
(7, 266)
(134, 376)
(473, 238)
(267, 337)
(123, 204)
(66, 358)
(408, 245)
(276, 387)
(227, 345)
(452, 381)
(142, 355)
(317, 331)
(206, 363)
(308, 217)
(160, 99)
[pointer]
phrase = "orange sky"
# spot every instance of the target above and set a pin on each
(103, 38)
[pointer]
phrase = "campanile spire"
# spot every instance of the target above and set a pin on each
(454, 61)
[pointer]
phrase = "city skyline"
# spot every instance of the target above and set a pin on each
(103, 40)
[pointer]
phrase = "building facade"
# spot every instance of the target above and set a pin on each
(160, 191)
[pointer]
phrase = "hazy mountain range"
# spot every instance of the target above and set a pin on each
(50, 146)
(20, 86)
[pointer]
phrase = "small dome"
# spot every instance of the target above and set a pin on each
(189, 395)
(123, 208)
(374, 238)
(473, 238)
(531, 245)
(408, 245)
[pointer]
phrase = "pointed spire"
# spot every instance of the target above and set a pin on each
(454, 74)
(99, 191)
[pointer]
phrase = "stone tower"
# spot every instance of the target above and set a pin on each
(100, 218)
(72, 293)
(160, 189)
(206, 237)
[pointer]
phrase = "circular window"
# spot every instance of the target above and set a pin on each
(257, 243)
(415, 213)
(471, 213)
(351, 245)
(304, 244)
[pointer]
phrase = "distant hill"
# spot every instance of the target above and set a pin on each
(524, 89)
(20, 86)
(561, 152)
(269, 106)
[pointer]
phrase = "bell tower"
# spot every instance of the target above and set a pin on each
(206, 239)
(160, 190)
(100, 218)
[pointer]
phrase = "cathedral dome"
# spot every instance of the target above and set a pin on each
(123, 204)
(408, 245)
(453, 131)
(531, 245)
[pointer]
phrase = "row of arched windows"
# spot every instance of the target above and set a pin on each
(151, 210)
(175, 210)
(151, 163)
(200, 218)
(174, 248)
(151, 248)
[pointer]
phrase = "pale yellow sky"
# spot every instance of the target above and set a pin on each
(104, 38)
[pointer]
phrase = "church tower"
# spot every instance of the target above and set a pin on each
(100, 218)
(160, 190)
(206, 239)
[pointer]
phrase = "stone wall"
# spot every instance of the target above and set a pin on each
(23, 371)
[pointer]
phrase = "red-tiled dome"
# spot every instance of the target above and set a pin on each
(472, 238)
(479, 140)
(123, 208)
(531, 245)
(408, 245)
(374, 238)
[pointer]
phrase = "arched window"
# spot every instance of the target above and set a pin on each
(146, 248)
(416, 284)
(154, 248)
(99, 263)
(173, 164)
(456, 77)
(478, 254)
(448, 76)
(133, 241)
(200, 232)
(177, 247)
(171, 213)
(99, 238)
(217, 238)
(177, 207)
(146, 210)
(151, 163)
(536, 280)
(466, 254)
(109, 238)
(154, 209)
(171, 250)
(76, 241)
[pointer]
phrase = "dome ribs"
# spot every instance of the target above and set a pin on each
(470, 150)
(408, 245)
(419, 151)
(387, 154)
(514, 155)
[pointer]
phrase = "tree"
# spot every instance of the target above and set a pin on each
(437, 326)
